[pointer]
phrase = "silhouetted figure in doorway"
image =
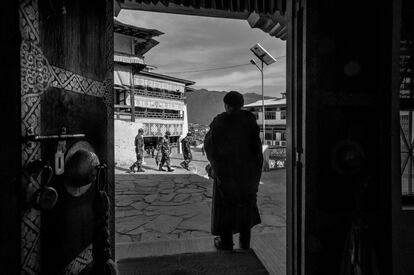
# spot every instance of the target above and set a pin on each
(234, 150)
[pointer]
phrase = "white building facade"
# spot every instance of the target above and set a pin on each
(144, 99)
(275, 119)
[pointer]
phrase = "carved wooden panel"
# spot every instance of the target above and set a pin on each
(37, 76)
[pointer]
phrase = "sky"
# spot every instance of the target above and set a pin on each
(192, 43)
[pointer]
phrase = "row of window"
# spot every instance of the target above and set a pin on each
(271, 115)
(150, 113)
(120, 96)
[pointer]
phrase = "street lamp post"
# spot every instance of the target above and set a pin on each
(267, 59)
(263, 106)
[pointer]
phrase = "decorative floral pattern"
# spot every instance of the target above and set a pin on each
(159, 129)
(29, 21)
(35, 78)
(76, 83)
(80, 262)
(35, 75)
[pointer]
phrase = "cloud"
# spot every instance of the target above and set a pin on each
(196, 43)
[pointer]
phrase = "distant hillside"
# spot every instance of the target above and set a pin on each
(204, 105)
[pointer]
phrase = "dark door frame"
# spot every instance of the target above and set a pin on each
(295, 92)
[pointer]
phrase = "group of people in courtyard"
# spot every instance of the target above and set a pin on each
(163, 152)
(234, 151)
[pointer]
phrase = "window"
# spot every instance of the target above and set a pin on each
(268, 135)
(283, 114)
(270, 115)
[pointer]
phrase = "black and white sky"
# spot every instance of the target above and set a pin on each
(192, 43)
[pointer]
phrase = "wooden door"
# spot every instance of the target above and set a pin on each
(66, 81)
(342, 167)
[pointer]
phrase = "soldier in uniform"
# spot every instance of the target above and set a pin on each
(139, 151)
(234, 150)
(158, 153)
(186, 151)
(165, 152)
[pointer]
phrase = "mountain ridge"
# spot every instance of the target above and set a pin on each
(203, 105)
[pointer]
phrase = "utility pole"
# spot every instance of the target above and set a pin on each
(263, 108)
(267, 59)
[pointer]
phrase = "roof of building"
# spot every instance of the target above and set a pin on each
(142, 48)
(167, 77)
(134, 31)
(259, 6)
(268, 102)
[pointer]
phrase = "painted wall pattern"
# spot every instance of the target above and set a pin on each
(108, 99)
(37, 75)
(159, 129)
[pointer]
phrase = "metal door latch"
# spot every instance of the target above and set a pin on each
(31, 136)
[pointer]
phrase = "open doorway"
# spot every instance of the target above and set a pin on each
(160, 213)
(82, 73)
(74, 90)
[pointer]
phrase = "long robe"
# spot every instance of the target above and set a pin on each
(234, 150)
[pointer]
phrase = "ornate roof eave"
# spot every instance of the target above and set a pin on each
(268, 7)
(142, 48)
(134, 31)
(267, 15)
(275, 25)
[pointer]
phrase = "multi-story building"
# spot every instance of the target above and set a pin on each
(275, 119)
(146, 99)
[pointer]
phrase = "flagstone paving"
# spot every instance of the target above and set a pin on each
(158, 205)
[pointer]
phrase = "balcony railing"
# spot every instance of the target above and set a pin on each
(159, 94)
(120, 110)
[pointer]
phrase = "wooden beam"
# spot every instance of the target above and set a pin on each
(177, 9)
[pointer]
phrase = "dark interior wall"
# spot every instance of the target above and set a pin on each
(10, 138)
(76, 40)
(348, 125)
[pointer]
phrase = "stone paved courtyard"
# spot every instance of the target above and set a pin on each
(155, 205)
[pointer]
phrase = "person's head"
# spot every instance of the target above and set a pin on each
(189, 134)
(141, 131)
(167, 134)
(233, 101)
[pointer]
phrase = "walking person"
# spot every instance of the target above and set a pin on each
(139, 151)
(186, 151)
(165, 153)
(158, 154)
(234, 150)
